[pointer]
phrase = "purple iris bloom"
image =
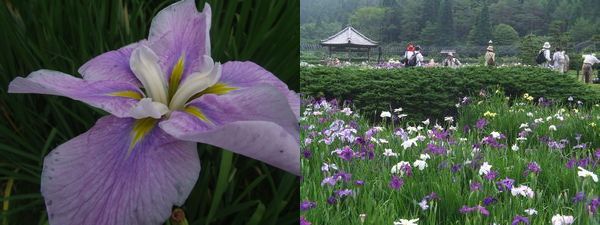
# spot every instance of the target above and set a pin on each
(343, 193)
(432, 196)
(396, 182)
(346, 177)
(306, 205)
(346, 153)
(480, 209)
(489, 200)
(491, 175)
(456, 167)
(594, 205)
(331, 200)
(571, 163)
(480, 124)
(303, 221)
(520, 219)
(505, 185)
(533, 167)
(436, 150)
(475, 186)
(597, 154)
(579, 196)
(359, 182)
(164, 94)
(307, 153)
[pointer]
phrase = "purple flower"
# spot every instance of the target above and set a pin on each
(584, 162)
(594, 205)
(532, 167)
(163, 94)
(520, 219)
(489, 200)
(597, 154)
(491, 175)
(481, 123)
(436, 150)
(331, 181)
(505, 185)
(346, 177)
(307, 154)
(303, 221)
(343, 193)
(480, 209)
(346, 153)
(359, 182)
(431, 196)
(306, 205)
(475, 186)
(571, 163)
(455, 168)
(579, 196)
(396, 182)
(331, 200)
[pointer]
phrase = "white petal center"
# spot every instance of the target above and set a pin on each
(147, 108)
(196, 83)
(144, 64)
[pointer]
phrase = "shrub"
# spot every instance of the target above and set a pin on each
(433, 92)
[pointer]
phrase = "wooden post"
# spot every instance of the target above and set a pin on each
(369, 55)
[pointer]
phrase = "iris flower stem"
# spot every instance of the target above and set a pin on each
(6, 203)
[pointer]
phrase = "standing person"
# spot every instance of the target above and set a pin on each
(418, 56)
(490, 57)
(451, 61)
(410, 50)
(559, 60)
(588, 62)
(543, 58)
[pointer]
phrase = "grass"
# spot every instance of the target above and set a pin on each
(554, 186)
(62, 35)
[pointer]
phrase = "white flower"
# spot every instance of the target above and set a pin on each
(515, 147)
(485, 168)
(400, 116)
(523, 125)
(362, 217)
(538, 120)
(409, 142)
(347, 111)
(426, 122)
(420, 164)
(423, 205)
(523, 191)
(385, 114)
(495, 135)
(449, 119)
(317, 113)
(383, 141)
(407, 222)
(411, 129)
(562, 220)
(424, 156)
(398, 110)
(463, 139)
(326, 167)
(397, 169)
(438, 127)
(389, 153)
(527, 130)
(552, 128)
(452, 128)
(584, 173)
(531, 211)
(529, 114)
(521, 139)
(548, 118)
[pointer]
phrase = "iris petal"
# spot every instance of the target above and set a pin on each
(144, 64)
(89, 179)
(195, 83)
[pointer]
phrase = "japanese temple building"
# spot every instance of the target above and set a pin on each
(349, 40)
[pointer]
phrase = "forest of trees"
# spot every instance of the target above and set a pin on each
(453, 22)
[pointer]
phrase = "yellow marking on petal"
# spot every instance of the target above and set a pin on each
(176, 75)
(140, 129)
(218, 89)
(127, 94)
(196, 112)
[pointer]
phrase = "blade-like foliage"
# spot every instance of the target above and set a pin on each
(62, 35)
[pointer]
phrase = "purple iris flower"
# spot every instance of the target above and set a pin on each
(359, 182)
(343, 193)
(489, 200)
(571, 163)
(480, 209)
(306, 205)
(533, 167)
(594, 205)
(475, 186)
(346, 153)
(520, 219)
(491, 175)
(331, 200)
(307, 154)
(346, 177)
(164, 94)
(579, 196)
(396, 182)
(597, 154)
(480, 124)
(436, 150)
(303, 221)
(456, 167)
(505, 185)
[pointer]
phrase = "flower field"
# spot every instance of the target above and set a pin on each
(500, 161)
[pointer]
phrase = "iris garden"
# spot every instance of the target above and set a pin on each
(520, 160)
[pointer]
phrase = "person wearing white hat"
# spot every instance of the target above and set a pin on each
(490, 56)
(588, 62)
(543, 59)
(451, 61)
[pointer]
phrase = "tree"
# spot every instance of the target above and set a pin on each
(582, 30)
(446, 25)
(505, 35)
(429, 34)
(481, 32)
(529, 48)
(369, 21)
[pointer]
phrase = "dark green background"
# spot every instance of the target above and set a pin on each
(62, 35)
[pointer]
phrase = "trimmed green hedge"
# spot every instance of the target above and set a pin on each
(433, 92)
